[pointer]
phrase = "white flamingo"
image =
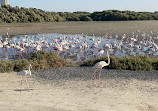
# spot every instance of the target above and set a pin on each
(99, 66)
(24, 73)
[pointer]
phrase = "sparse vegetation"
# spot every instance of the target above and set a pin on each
(10, 14)
(138, 62)
(6, 66)
(47, 60)
(42, 60)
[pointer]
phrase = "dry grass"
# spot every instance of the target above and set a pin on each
(90, 28)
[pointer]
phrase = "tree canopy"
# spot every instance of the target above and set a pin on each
(10, 14)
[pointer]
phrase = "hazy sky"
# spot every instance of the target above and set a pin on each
(88, 5)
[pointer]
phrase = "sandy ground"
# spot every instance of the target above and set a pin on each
(77, 95)
(90, 28)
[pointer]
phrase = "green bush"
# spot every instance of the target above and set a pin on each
(6, 66)
(21, 64)
(45, 60)
(41, 60)
(127, 63)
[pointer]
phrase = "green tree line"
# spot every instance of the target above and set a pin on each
(10, 14)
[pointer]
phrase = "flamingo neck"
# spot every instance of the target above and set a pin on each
(29, 71)
(29, 68)
(108, 57)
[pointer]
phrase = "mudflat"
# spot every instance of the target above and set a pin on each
(90, 28)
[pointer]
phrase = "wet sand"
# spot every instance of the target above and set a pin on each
(90, 28)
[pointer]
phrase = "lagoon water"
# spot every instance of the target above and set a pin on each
(80, 46)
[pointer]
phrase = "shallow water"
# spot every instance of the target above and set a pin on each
(77, 53)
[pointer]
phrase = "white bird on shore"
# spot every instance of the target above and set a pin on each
(100, 65)
(25, 72)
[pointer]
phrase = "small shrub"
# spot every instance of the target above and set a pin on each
(41, 60)
(20, 64)
(138, 62)
(45, 60)
(6, 66)
(155, 65)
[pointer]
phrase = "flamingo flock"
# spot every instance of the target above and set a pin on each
(79, 47)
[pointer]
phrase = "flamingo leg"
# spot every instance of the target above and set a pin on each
(26, 81)
(82, 53)
(34, 82)
(94, 75)
(19, 54)
(21, 79)
(99, 76)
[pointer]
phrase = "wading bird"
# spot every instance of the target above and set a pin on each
(99, 66)
(24, 73)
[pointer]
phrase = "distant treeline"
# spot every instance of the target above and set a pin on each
(10, 14)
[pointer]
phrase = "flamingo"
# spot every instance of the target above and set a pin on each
(99, 66)
(23, 73)
(101, 52)
(138, 42)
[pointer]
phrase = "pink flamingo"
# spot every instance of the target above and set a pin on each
(99, 66)
(101, 52)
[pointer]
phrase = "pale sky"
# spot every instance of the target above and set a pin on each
(88, 5)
